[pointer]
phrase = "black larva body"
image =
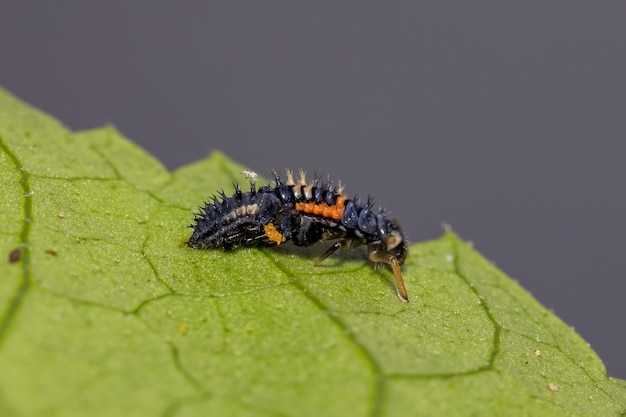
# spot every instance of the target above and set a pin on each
(303, 212)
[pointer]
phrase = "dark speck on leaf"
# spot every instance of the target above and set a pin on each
(15, 255)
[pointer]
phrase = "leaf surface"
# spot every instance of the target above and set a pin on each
(108, 313)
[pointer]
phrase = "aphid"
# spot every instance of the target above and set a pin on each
(305, 213)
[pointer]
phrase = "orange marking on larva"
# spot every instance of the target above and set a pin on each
(337, 213)
(319, 209)
(273, 234)
(334, 212)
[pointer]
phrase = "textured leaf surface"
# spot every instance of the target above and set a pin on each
(108, 313)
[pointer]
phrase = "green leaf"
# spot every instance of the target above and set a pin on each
(108, 313)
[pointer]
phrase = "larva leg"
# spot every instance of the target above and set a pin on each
(334, 248)
(341, 244)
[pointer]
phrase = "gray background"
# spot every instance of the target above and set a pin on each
(504, 119)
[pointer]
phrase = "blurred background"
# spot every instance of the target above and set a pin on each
(506, 120)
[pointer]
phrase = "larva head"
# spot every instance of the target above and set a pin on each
(392, 239)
